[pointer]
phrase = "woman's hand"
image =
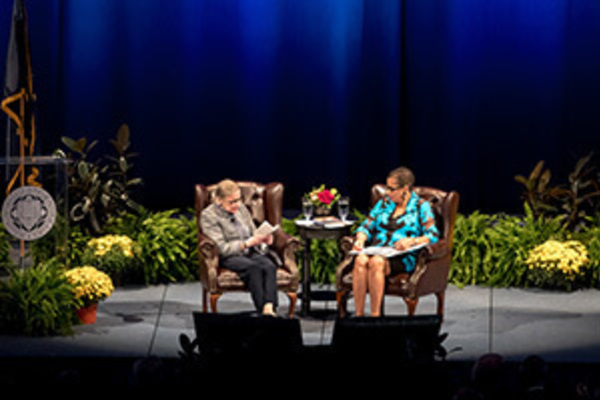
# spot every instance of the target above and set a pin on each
(269, 239)
(259, 239)
(404, 243)
(407, 243)
(359, 242)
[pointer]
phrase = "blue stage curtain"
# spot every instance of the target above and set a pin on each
(496, 86)
(466, 92)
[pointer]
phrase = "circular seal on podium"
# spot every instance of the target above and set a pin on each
(28, 213)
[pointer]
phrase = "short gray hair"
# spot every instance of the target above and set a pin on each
(225, 188)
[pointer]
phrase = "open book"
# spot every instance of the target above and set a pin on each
(386, 251)
(266, 229)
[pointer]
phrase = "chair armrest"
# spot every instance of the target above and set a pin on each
(208, 261)
(207, 247)
(344, 267)
(346, 243)
(436, 250)
(431, 272)
(286, 246)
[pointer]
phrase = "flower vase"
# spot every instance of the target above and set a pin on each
(322, 211)
(87, 315)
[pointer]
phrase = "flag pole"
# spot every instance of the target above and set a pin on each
(18, 91)
(7, 141)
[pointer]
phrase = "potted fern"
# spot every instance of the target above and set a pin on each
(36, 301)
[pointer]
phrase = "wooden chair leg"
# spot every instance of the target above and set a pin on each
(204, 300)
(441, 299)
(214, 297)
(293, 296)
(341, 299)
(411, 304)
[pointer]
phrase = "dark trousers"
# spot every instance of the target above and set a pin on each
(259, 273)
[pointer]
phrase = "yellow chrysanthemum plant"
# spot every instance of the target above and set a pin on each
(103, 245)
(558, 264)
(89, 285)
(114, 254)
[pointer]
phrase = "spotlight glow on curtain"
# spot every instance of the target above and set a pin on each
(466, 92)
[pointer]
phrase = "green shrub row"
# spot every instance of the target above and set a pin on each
(492, 249)
(165, 247)
(489, 249)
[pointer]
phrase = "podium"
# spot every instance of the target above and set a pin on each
(35, 208)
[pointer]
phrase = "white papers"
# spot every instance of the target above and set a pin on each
(333, 224)
(266, 229)
(386, 251)
(302, 222)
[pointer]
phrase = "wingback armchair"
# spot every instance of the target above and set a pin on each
(433, 263)
(265, 202)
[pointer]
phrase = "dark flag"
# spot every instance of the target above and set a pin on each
(18, 101)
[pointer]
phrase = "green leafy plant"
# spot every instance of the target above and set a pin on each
(492, 249)
(54, 244)
(472, 250)
(37, 301)
(85, 183)
(98, 191)
(4, 247)
(325, 254)
(589, 235)
(513, 237)
(167, 242)
(538, 194)
(168, 247)
(120, 185)
(581, 198)
(573, 201)
(71, 252)
(77, 246)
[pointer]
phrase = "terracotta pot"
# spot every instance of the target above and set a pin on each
(87, 315)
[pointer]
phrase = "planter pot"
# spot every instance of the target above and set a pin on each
(87, 315)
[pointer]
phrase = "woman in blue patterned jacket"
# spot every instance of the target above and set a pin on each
(401, 220)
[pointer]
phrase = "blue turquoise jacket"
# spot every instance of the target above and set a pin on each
(382, 229)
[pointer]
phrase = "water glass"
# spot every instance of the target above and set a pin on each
(307, 208)
(344, 207)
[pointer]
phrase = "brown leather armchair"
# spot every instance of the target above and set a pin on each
(433, 264)
(265, 202)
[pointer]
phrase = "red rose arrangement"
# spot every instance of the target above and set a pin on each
(323, 197)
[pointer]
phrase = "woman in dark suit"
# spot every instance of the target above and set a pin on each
(229, 223)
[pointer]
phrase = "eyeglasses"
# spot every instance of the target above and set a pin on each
(232, 202)
(391, 189)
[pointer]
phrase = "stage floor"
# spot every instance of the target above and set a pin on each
(142, 321)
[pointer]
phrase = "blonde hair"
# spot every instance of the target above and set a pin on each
(225, 188)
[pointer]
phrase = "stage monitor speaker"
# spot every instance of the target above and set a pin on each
(242, 334)
(400, 338)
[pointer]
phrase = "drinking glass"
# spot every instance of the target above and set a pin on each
(344, 207)
(307, 209)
